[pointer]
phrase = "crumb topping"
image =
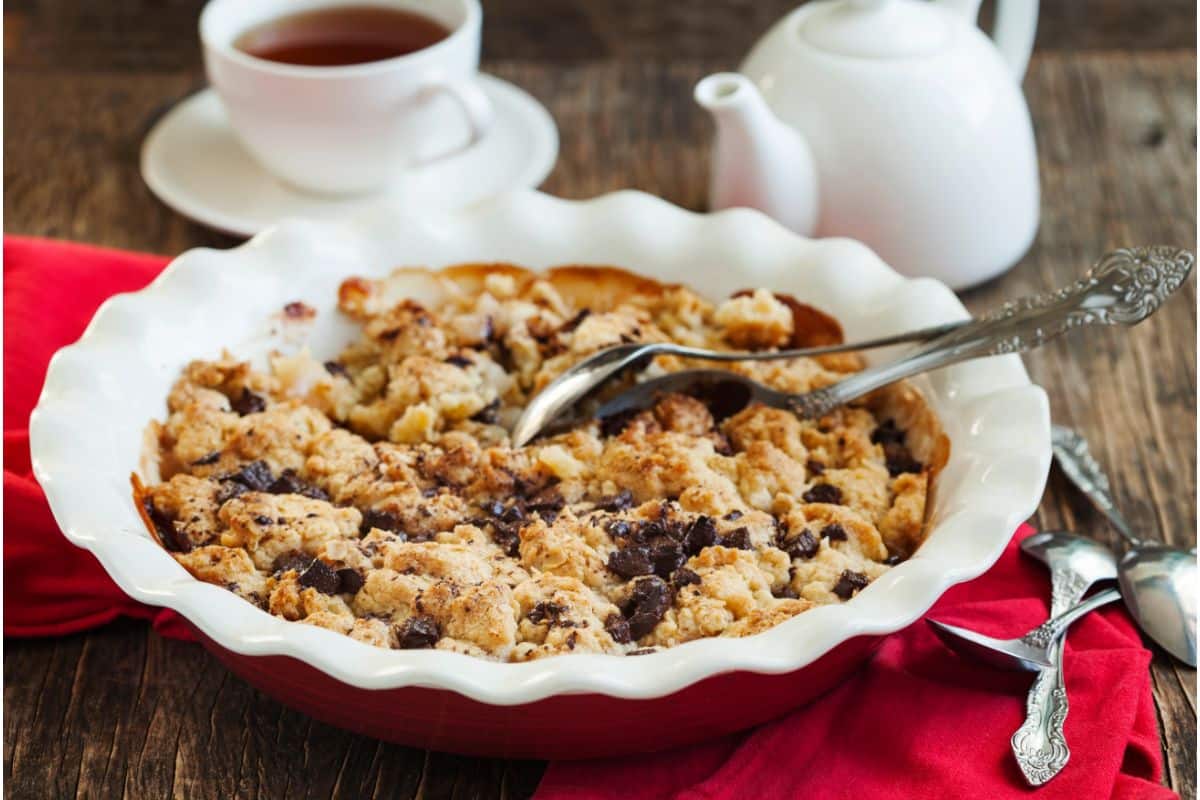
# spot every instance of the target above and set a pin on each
(378, 494)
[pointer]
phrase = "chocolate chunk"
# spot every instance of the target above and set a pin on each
(893, 559)
(786, 592)
(574, 321)
(666, 557)
(834, 532)
(646, 606)
(621, 501)
(848, 583)
(320, 576)
(351, 580)
(248, 403)
(336, 368)
(288, 483)
(459, 361)
(815, 467)
(732, 516)
(630, 562)
(228, 491)
(374, 518)
(684, 577)
(546, 611)
(900, 460)
(619, 528)
(738, 539)
(823, 493)
(701, 533)
(721, 444)
(615, 424)
(493, 508)
(803, 546)
(488, 414)
(507, 539)
(171, 539)
(211, 458)
(291, 560)
(262, 519)
(418, 633)
(618, 628)
(432, 491)
(514, 513)
(255, 476)
(642, 651)
(887, 432)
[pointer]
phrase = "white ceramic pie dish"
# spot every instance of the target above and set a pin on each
(87, 430)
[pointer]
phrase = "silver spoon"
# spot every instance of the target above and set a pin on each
(589, 374)
(1158, 581)
(1031, 652)
(1124, 287)
(1075, 563)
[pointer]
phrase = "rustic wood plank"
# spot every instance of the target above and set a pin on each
(135, 36)
(121, 712)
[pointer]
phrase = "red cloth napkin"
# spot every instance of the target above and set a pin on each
(916, 722)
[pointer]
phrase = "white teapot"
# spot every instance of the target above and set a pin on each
(894, 122)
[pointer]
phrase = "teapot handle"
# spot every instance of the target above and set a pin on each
(1015, 28)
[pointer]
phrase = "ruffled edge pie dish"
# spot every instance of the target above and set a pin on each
(124, 364)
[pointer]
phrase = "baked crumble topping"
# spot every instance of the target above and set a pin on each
(378, 494)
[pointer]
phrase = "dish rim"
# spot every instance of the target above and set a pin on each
(991, 387)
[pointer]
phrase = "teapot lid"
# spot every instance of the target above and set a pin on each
(876, 28)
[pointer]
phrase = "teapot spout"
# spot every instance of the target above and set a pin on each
(758, 161)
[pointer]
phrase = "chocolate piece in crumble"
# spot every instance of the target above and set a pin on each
(630, 562)
(823, 493)
(205, 461)
(350, 580)
(647, 604)
(255, 476)
(418, 632)
(289, 483)
(618, 628)
(684, 577)
(701, 534)
(292, 560)
(849, 583)
(248, 403)
(383, 520)
(320, 576)
(337, 369)
(165, 527)
(738, 539)
(619, 502)
(548, 612)
(803, 545)
(834, 532)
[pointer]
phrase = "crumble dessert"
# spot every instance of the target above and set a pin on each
(378, 495)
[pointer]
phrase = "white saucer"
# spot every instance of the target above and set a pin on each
(193, 163)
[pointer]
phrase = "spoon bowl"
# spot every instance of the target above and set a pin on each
(1158, 581)
(1065, 553)
(1159, 585)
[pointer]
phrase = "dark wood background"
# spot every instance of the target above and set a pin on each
(123, 712)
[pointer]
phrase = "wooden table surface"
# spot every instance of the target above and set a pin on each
(123, 712)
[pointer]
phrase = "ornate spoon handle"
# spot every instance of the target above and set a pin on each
(1077, 463)
(1124, 288)
(1040, 744)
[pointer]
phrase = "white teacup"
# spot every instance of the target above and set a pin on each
(355, 128)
